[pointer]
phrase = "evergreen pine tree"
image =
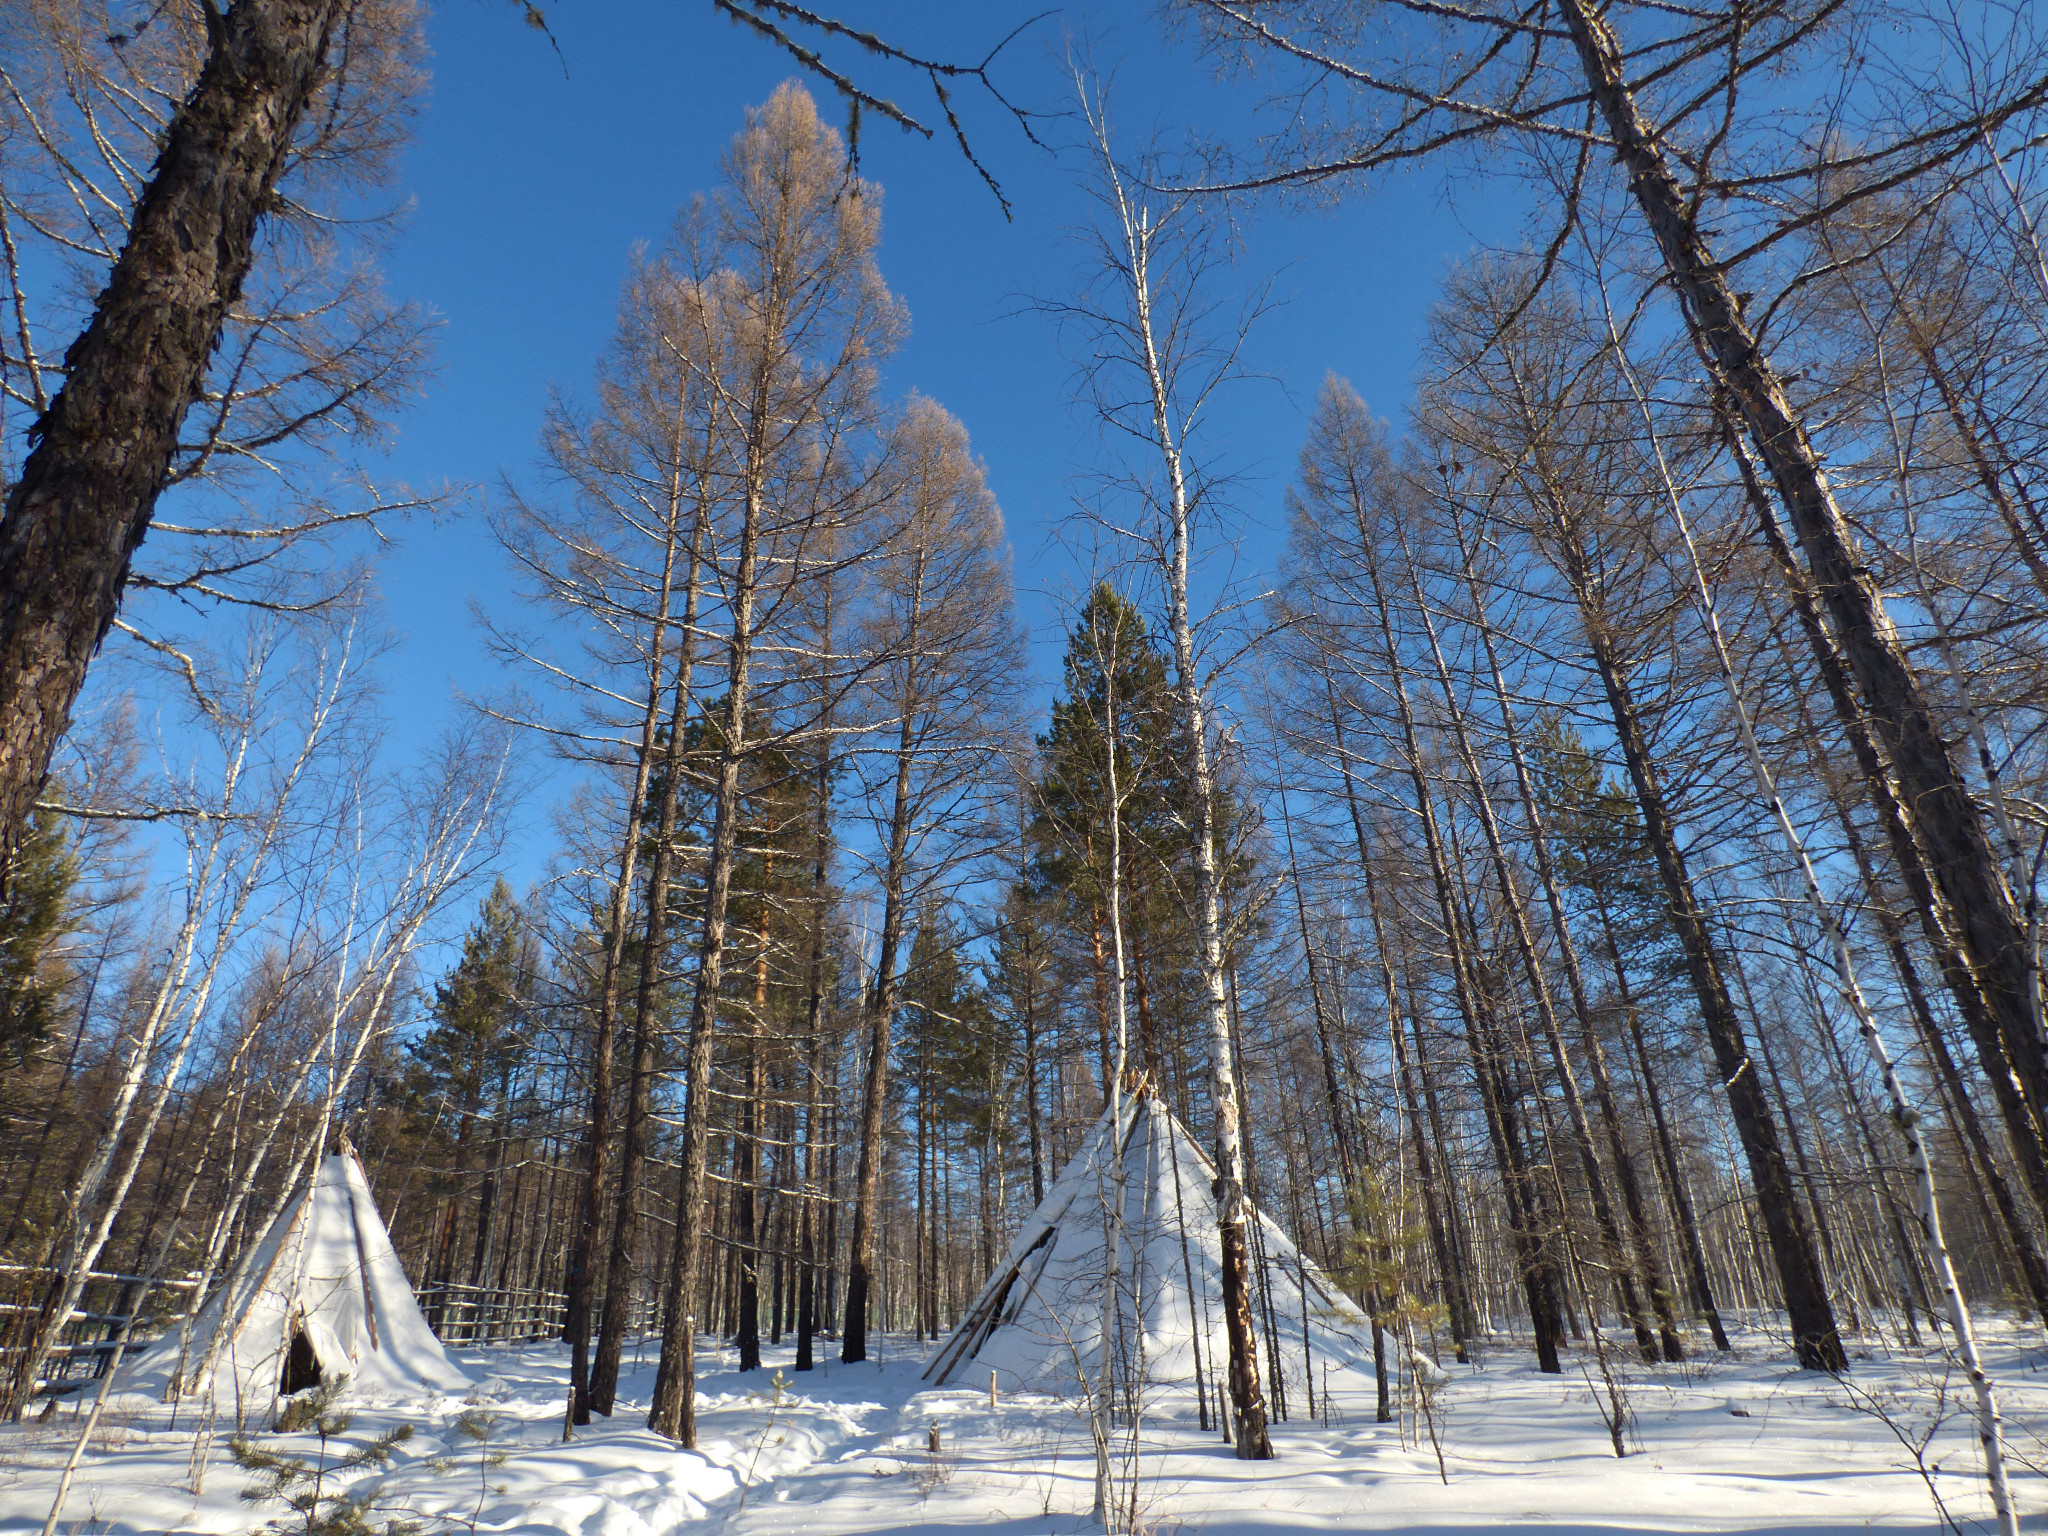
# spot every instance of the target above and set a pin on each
(34, 911)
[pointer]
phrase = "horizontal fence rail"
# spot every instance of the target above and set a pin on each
(489, 1314)
(91, 1332)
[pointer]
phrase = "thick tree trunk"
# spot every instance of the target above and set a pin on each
(1969, 1128)
(101, 453)
(2026, 1129)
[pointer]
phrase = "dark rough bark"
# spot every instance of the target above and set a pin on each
(807, 1309)
(1969, 1128)
(1032, 1121)
(622, 1266)
(746, 1206)
(2026, 1130)
(1969, 895)
(673, 1411)
(101, 453)
(1542, 1286)
(853, 1334)
(748, 1226)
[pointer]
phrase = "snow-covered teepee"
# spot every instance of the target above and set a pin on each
(1039, 1322)
(322, 1296)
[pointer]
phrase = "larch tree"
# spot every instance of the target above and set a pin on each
(797, 319)
(942, 625)
(254, 116)
(621, 561)
(1688, 110)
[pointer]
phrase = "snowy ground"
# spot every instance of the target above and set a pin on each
(1743, 1446)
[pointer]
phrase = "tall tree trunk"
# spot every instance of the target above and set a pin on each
(1536, 1272)
(1813, 1324)
(1517, 909)
(1449, 1262)
(674, 1410)
(597, 1136)
(807, 1302)
(750, 1228)
(1955, 1094)
(2026, 1127)
(1033, 1125)
(1674, 1176)
(881, 1010)
(101, 453)
(622, 1271)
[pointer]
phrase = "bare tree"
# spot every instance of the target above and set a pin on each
(795, 320)
(265, 114)
(943, 629)
(1679, 102)
(245, 111)
(1147, 324)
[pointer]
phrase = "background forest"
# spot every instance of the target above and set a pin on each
(1588, 878)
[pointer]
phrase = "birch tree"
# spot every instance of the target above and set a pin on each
(1146, 321)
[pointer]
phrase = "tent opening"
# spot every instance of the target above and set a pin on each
(301, 1364)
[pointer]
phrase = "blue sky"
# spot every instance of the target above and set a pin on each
(530, 189)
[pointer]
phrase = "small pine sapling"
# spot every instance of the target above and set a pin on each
(475, 1425)
(303, 1484)
(1380, 1265)
(778, 1386)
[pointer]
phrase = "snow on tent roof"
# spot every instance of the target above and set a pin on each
(1038, 1323)
(324, 1285)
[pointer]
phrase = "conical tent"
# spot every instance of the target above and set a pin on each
(322, 1297)
(1038, 1324)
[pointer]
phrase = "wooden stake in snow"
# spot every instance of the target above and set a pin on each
(1990, 1426)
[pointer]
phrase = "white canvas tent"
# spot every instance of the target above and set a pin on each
(323, 1296)
(1038, 1323)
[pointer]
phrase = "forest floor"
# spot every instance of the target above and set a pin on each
(1738, 1444)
